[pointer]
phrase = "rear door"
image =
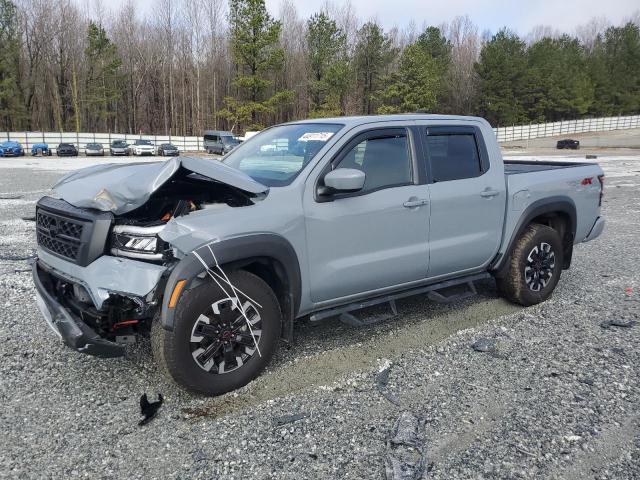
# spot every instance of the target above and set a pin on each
(375, 238)
(468, 197)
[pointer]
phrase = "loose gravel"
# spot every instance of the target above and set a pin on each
(481, 388)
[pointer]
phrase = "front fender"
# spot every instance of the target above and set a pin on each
(232, 251)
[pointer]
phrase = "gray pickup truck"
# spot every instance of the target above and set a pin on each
(314, 219)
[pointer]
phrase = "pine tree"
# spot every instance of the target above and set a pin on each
(502, 70)
(420, 80)
(614, 67)
(328, 69)
(12, 111)
(254, 37)
(373, 55)
(103, 63)
(557, 85)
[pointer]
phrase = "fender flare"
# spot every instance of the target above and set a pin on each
(559, 204)
(236, 251)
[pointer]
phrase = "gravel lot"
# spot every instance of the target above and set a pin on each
(548, 392)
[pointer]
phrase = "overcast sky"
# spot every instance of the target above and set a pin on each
(520, 16)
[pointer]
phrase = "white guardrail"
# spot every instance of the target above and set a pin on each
(565, 127)
(503, 134)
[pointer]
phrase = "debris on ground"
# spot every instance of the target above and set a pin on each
(484, 345)
(286, 419)
(406, 431)
(382, 377)
(149, 409)
(405, 452)
(617, 323)
(10, 197)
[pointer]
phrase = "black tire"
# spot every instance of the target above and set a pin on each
(174, 351)
(537, 253)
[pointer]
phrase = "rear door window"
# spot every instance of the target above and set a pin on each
(453, 155)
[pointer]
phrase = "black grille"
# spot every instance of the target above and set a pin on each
(59, 235)
(75, 234)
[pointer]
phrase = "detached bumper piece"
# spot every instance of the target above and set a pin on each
(71, 329)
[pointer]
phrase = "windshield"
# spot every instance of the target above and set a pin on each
(143, 142)
(276, 156)
(119, 143)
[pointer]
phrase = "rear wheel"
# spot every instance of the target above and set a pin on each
(535, 266)
(218, 343)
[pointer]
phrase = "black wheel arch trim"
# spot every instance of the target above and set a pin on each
(555, 204)
(237, 252)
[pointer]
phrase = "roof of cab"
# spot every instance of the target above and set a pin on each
(364, 119)
(355, 121)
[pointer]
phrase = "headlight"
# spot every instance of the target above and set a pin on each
(136, 242)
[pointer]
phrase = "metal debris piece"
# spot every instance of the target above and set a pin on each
(286, 419)
(397, 469)
(484, 345)
(382, 377)
(406, 430)
(617, 323)
(405, 453)
(149, 409)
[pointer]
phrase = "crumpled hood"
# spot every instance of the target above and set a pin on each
(121, 188)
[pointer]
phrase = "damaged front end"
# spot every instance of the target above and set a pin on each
(102, 266)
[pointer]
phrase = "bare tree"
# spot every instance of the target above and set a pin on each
(588, 33)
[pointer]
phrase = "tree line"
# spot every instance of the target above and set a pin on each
(185, 66)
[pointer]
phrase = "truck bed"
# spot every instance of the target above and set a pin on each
(530, 182)
(512, 167)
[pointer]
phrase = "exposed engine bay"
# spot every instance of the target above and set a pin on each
(135, 233)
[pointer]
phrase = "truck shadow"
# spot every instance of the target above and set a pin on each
(326, 352)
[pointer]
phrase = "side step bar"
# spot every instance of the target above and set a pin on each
(346, 312)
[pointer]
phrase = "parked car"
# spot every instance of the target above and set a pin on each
(168, 149)
(218, 259)
(11, 149)
(142, 147)
(40, 149)
(92, 149)
(219, 142)
(568, 143)
(119, 147)
(67, 150)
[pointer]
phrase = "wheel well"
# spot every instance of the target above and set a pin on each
(560, 222)
(274, 274)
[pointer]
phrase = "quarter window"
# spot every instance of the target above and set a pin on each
(453, 156)
(384, 159)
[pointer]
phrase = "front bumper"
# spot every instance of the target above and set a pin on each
(71, 329)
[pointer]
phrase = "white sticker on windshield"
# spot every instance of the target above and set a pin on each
(316, 136)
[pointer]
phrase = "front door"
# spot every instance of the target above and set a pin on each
(374, 238)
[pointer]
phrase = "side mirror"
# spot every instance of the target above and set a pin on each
(344, 180)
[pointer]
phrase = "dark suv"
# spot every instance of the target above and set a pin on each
(568, 143)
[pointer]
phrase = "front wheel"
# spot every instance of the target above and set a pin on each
(535, 266)
(220, 342)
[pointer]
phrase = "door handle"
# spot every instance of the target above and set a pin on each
(489, 193)
(415, 202)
